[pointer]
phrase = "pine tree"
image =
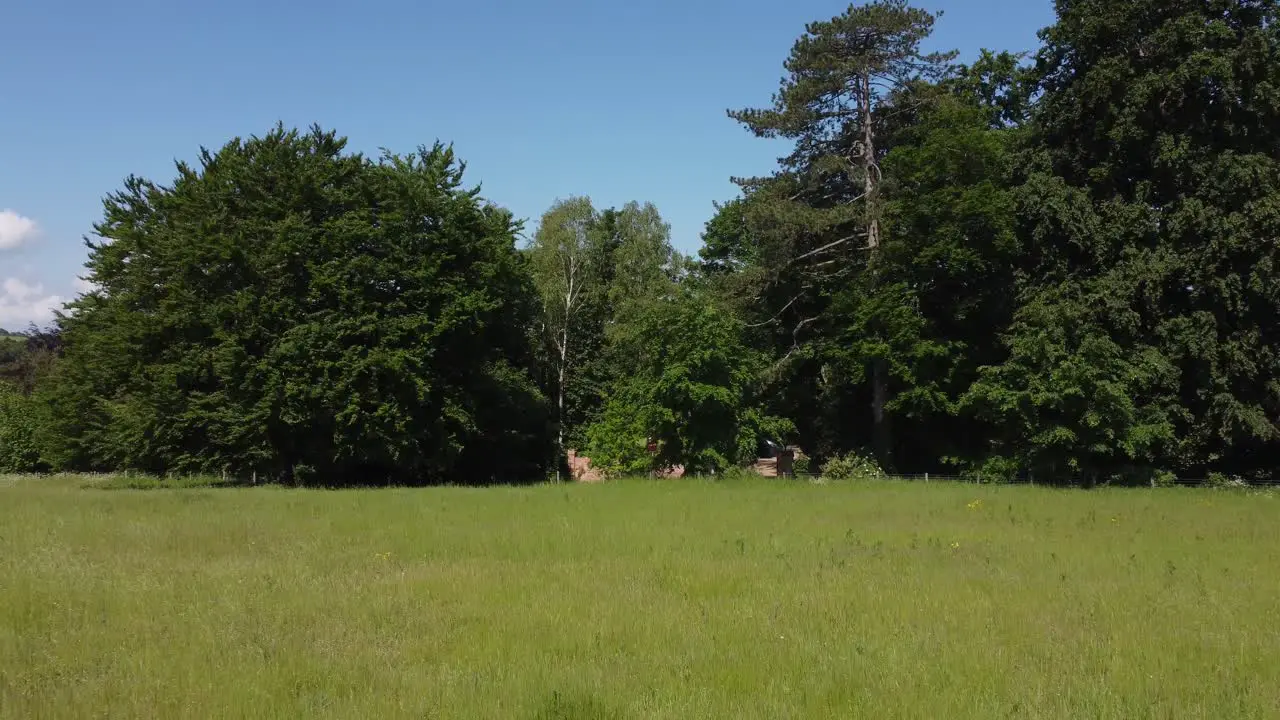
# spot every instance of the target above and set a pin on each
(819, 217)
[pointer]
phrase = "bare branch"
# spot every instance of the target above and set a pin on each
(829, 246)
(795, 345)
(771, 320)
(795, 334)
(854, 200)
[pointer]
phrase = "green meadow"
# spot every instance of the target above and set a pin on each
(635, 599)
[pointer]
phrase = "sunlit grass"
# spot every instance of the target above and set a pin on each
(659, 599)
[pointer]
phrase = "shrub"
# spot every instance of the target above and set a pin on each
(19, 447)
(1223, 481)
(803, 465)
(737, 474)
(852, 467)
(997, 469)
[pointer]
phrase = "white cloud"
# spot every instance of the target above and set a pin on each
(22, 303)
(84, 287)
(18, 290)
(15, 229)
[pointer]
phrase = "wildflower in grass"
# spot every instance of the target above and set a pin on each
(955, 546)
(976, 504)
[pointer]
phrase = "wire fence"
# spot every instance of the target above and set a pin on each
(1076, 482)
(9, 480)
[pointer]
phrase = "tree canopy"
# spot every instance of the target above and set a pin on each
(1059, 265)
(1146, 336)
(289, 311)
(1073, 274)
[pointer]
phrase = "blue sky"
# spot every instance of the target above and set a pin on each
(616, 100)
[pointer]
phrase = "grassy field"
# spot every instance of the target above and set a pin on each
(638, 600)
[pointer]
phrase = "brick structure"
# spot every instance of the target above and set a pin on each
(580, 469)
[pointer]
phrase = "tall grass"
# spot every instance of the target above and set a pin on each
(638, 600)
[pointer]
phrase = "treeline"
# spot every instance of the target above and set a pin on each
(1062, 268)
(1059, 265)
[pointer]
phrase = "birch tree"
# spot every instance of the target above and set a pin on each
(566, 258)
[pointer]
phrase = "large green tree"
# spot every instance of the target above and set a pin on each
(569, 259)
(692, 389)
(944, 288)
(597, 273)
(645, 264)
(817, 222)
(288, 311)
(1150, 312)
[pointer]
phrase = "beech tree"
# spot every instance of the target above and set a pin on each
(287, 311)
(693, 390)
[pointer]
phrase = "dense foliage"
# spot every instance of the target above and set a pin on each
(19, 432)
(1060, 266)
(647, 371)
(689, 388)
(27, 358)
(1148, 329)
(596, 272)
(1073, 277)
(289, 312)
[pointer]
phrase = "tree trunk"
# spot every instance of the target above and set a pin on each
(870, 169)
(570, 300)
(881, 437)
(564, 362)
